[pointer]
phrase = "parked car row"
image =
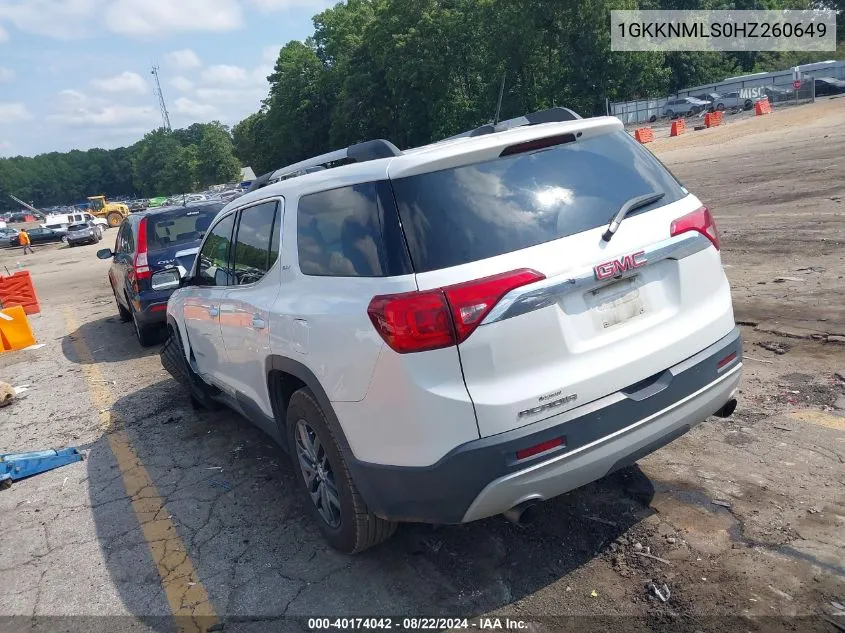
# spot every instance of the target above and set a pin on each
(224, 195)
(420, 342)
(75, 234)
(738, 100)
(39, 235)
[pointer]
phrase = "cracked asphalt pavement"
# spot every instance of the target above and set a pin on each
(187, 520)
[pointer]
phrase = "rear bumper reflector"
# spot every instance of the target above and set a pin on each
(541, 448)
(727, 360)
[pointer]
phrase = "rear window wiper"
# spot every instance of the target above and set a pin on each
(631, 205)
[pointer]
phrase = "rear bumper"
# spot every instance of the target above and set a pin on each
(483, 477)
(581, 466)
(151, 307)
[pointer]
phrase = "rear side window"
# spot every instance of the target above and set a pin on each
(464, 214)
(125, 239)
(351, 232)
(254, 254)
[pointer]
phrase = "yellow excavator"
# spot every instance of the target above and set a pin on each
(113, 212)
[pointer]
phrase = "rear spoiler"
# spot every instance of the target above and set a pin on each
(552, 115)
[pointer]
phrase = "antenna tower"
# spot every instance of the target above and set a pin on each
(165, 117)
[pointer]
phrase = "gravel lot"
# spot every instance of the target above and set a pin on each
(187, 514)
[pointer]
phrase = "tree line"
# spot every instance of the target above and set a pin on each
(410, 72)
(161, 164)
(415, 72)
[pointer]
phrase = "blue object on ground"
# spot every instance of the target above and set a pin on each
(14, 466)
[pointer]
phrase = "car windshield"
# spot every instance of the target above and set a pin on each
(180, 226)
(77, 227)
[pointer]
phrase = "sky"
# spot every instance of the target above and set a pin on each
(75, 74)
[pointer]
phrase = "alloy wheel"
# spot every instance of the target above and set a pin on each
(317, 473)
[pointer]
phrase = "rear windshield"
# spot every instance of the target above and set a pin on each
(183, 226)
(78, 227)
(464, 214)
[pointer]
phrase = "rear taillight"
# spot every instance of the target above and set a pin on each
(413, 321)
(433, 319)
(471, 301)
(700, 220)
(140, 264)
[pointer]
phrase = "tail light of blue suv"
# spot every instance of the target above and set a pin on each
(140, 265)
(426, 320)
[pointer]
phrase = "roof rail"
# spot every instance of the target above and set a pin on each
(552, 115)
(259, 182)
(359, 153)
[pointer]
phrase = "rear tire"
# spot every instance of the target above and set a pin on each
(125, 315)
(341, 514)
(175, 362)
(146, 335)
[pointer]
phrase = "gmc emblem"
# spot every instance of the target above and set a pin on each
(616, 267)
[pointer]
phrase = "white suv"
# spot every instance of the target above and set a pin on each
(463, 329)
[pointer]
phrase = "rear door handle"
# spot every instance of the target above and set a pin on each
(258, 323)
(649, 387)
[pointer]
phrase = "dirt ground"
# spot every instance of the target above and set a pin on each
(187, 514)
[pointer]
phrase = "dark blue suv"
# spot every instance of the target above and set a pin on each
(163, 238)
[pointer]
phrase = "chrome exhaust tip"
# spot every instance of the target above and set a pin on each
(522, 514)
(727, 409)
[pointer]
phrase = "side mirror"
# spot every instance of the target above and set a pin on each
(105, 253)
(166, 279)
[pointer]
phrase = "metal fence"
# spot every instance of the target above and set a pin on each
(777, 86)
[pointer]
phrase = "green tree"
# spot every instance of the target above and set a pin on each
(297, 107)
(215, 157)
(411, 72)
(156, 164)
(250, 141)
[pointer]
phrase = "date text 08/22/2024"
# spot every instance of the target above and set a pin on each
(410, 624)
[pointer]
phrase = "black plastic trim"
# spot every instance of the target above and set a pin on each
(259, 182)
(372, 150)
(300, 371)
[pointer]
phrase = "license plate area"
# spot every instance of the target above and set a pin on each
(615, 303)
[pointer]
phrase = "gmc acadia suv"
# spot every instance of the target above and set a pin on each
(464, 329)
